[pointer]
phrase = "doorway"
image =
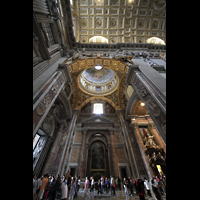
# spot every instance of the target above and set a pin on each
(123, 173)
(73, 172)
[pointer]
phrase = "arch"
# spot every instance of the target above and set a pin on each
(99, 98)
(90, 138)
(98, 39)
(155, 40)
(137, 109)
(132, 100)
(79, 65)
(67, 107)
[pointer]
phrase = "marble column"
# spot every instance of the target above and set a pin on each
(141, 146)
(82, 165)
(152, 127)
(65, 152)
(54, 147)
(113, 155)
(130, 152)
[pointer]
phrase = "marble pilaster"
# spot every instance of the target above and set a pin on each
(82, 161)
(65, 152)
(131, 155)
(113, 155)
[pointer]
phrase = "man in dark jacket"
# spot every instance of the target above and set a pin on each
(141, 192)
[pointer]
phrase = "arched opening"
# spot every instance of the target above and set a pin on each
(98, 39)
(155, 40)
(98, 163)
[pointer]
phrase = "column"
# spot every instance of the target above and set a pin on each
(152, 127)
(82, 163)
(54, 147)
(113, 155)
(141, 146)
(65, 152)
(131, 155)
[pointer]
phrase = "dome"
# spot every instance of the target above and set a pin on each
(98, 76)
(98, 82)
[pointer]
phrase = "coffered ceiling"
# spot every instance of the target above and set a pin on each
(121, 21)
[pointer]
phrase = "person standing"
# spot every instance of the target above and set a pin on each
(72, 190)
(64, 189)
(135, 183)
(146, 184)
(102, 184)
(125, 187)
(58, 187)
(99, 186)
(111, 184)
(106, 184)
(116, 183)
(69, 179)
(141, 189)
(131, 187)
(79, 183)
(45, 180)
(51, 191)
(86, 185)
(92, 186)
(114, 186)
(155, 189)
(47, 188)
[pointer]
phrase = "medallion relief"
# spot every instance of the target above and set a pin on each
(43, 105)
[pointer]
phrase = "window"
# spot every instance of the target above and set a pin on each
(48, 31)
(98, 39)
(98, 108)
(35, 140)
(155, 40)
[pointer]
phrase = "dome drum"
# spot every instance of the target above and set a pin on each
(98, 82)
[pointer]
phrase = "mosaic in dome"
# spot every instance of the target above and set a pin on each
(95, 76)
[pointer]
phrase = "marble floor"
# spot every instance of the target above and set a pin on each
(119, 196)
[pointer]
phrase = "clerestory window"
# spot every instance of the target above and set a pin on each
(98, 108)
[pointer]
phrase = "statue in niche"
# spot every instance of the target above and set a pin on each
(148, 141)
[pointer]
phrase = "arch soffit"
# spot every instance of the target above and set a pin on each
(85, 63)
(64, 99)
(90, 140)
(99, 98)
(132, 103)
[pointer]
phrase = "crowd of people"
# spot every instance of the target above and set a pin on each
(67, 187)
(55, 187)
(158, 186)
(140, 185)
